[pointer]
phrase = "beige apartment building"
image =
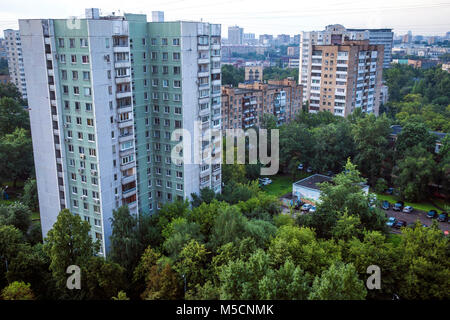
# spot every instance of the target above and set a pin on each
(345, 76)
(13, 47)
(244, 106)
(254, 73)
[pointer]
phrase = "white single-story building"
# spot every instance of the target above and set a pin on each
(307, 189)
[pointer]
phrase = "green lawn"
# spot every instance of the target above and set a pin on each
(424, 206)
(282, 184)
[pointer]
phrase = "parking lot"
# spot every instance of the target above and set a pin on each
(413, 216)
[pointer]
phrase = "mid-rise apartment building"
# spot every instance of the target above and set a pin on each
(107, 97)
(13, 46)
(244, 106)
(253, 73)
(344, 77)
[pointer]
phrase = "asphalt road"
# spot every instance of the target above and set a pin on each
(413, 217)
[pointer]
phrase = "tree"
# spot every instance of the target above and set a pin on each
(30, 195)
(412, 135)
(102, 279)
(287, 283)
(206, 196)
(9, 90)
(296, 145)
(163, 283)
(17, 291)
(16, 155)
(12, 116)
(17, 215)
(344, 195)
(339, 282)
(179, 233)
(31, 265)
(122, 295)
(68, 243)
(413, 174)
(192, 263)
(371, 135)
(269, 121)
(424, 264)
(141, 273)
(231, 75)
(125, 248)
(333, 146)
(10, 241)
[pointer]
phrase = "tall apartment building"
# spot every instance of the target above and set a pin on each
(336, 34)
(375, 36)
(344, 77)
(235, 35)
(244, 106)
(106, 94)
(14, 53)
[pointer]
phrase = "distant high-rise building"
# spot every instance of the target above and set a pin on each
(265, 39)
(283, 39)
(235, 35)
(108, 96)
(345, 76)
(14, 53)
(157, 16)
(297, 39)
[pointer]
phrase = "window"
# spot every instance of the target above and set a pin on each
(88, 106)
(86, 75)
(62, 58)
(176, 42)
(164, 41)
(92, 152)
(165, 56)
(83, 43)
(176, 56)
(72, 43)
(73, 58)
(63, 74)
(76, 90)
(165, 83)
(74, 75)
(61, 42)
(87, 91)
(90, 122)
(85, 59)
(176, 83)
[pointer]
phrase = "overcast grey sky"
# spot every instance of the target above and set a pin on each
(426, 17)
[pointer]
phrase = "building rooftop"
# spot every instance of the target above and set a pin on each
(397, 129)
(313, 181)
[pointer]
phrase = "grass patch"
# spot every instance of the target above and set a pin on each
(424, 206)
(282, 184)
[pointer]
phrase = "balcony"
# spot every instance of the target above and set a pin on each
(129, 192)
(203, 60)
(126, 137)
(126, 123)
(127, 166)
(125, 79)
(128, 179)
(120, 95)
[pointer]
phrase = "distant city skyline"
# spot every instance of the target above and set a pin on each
(422, 17)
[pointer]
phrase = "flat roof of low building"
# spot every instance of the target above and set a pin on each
(313, 181)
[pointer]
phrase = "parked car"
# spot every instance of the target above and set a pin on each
(399, 223)
(412, 224)
(432, 214)
(309, 169)
(391, 221)
(265, 181)
(398, 206)
(390, 191)
(443, 217)
(312, 209)
(298, 204)
(300, 166)
(385, 205)
(306, 207)
(408, 209)
(372, 200)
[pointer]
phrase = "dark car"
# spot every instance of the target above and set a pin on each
(432, 214)
(399, 223)
(385, 205)
(390, 191)
(298, 204)
(443, 217)
(398, 206)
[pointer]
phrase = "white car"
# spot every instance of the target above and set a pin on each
(265, 181)
(300, 166)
